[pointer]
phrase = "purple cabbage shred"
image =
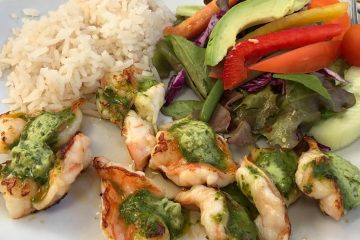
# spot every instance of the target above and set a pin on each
(201, 41)
(330, 73)
(176, 83)
(259, 83)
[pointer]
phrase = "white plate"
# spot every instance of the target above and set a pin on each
(77, 216)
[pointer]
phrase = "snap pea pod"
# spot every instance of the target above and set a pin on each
(212, 100)
(187, 10)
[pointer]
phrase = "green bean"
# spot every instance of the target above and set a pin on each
(212, 101)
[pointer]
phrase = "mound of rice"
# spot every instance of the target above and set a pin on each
(60, 57)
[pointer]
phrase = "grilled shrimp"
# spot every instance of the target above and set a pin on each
(212, 204)
(168, 158)
(148, 103)
(117, 184)
(11, 127)
(140, 139)
(76, 157)
(272, 222)
(25, 196)
(324, 189)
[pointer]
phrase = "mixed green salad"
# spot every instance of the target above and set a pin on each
(275, 73)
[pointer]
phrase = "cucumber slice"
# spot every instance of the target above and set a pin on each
(344, 128)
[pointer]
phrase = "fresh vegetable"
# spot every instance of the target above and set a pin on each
(343, 20)
(343, 128)
(321, 3)
(197, 23)
(235, 71)
(301, 18)
(192, 58)
(187, 10)
(333, 75)
(350, 49)
(182, 108)
(202, 39)
(302, 106)
(176, 83)
(261, 82)
(211, 101)
(238, 18)
(310, 81)
(165, 60)
(307, 59)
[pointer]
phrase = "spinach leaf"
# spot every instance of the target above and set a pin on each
(182, 108)
(192, 58)
(310, 81)
(164, 59)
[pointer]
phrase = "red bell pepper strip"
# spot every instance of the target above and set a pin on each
(306, 59)
(249, 51)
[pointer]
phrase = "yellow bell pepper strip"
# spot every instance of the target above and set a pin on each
(250, 51)
(302, 18)
(197, 23)
(343, 20)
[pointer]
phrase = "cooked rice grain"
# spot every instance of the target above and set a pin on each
(60, 57)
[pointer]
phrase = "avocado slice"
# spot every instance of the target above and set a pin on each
(244, 15)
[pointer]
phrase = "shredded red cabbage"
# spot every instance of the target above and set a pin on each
(259, 83)
(176, 83)
(201, 41)
(333, 75)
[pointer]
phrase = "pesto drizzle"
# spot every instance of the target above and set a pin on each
(153, 215)
(280, 165)
(33, 156)
(197, 142)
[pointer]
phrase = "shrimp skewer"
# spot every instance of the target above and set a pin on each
(11, 126)
(140, 139)
(168, 158)
(272, 222)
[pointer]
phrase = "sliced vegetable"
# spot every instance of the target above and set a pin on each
(187, 10)
(211, 101)
(235, 71)
(192, 58)
(197, 23)
(333, 75)
(262, 81)
(176, 83)
(350, 49)
(310, 81)
(202, 39)
(307, 59)
(343, 20)
(344, 128)
(244, 15)
(321, 3)
(302, 18)
(182, 108)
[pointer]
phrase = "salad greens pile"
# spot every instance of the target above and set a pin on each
(280, 107)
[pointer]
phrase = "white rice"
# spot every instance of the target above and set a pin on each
(59, 58)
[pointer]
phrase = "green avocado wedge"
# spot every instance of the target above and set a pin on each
(242, 16)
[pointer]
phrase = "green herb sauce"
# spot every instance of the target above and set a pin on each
(280, 165)
(146, 83)
(235, 193)
(346, 175)
(33, 156)
(152, 215)
(197, 143)
(240, 225)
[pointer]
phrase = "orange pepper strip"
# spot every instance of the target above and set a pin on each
(197, 23)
